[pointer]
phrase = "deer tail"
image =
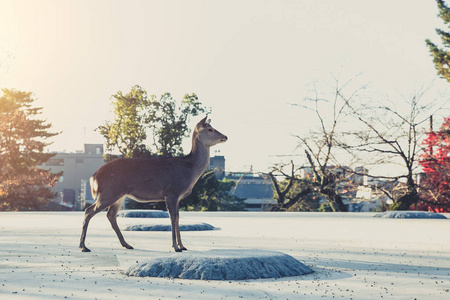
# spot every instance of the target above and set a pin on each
(94, 186)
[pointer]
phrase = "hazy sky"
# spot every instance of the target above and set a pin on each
(247, 60)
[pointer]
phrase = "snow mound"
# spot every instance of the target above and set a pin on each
(410, 215)
(140, 213)
(157, 227)
(230, 264)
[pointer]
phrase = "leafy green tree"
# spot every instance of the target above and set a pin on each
(23, 186)
(127, 133)
(441, 55)
(169, 122)
(136, 113)
(211, 194)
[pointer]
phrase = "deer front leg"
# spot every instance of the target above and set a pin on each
(177, 229)
(172, 206)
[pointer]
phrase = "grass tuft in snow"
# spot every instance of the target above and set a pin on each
(231, 264)
(410, 215)
(140, 213)
(158, 227)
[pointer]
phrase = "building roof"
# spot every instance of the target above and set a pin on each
(258, 191)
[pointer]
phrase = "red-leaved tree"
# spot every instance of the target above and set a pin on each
(435, 184)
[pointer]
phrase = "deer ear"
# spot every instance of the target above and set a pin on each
(202, 123)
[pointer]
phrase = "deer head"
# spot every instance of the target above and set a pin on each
(207, 135)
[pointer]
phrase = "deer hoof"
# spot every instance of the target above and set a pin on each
(183, 248)
(178, 250)
(85, 249)
(128, 246)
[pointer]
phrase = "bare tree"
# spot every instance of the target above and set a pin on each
(291, 189)
(391, 135)
(329, 105)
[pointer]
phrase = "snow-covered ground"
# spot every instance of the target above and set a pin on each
(354, 256)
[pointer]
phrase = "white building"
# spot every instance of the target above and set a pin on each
(77, 167)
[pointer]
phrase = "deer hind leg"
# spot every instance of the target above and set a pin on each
(112, 217)
(172, 206)
(90, 212)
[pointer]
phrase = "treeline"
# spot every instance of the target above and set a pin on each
(137, 118)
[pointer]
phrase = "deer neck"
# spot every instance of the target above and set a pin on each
(199, 157)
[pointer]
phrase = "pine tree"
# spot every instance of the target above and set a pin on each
(441, 56)
(23, 186)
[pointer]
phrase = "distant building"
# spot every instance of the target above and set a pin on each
(257, 190)
(77, 168)
(341, 171)
(217, 163)
(361, 176)
(306, 172)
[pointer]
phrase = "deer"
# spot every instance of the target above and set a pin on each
(151, 180)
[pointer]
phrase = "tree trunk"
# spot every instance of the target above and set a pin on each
(405, 201)
(340, 204)
(411, 197)
(334, 199)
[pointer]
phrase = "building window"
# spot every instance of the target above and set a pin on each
(253, 205)
(79, 161)
(55, 162)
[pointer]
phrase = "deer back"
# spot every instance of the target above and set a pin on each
(146, 179)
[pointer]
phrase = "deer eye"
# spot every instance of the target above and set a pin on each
(210, 130)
